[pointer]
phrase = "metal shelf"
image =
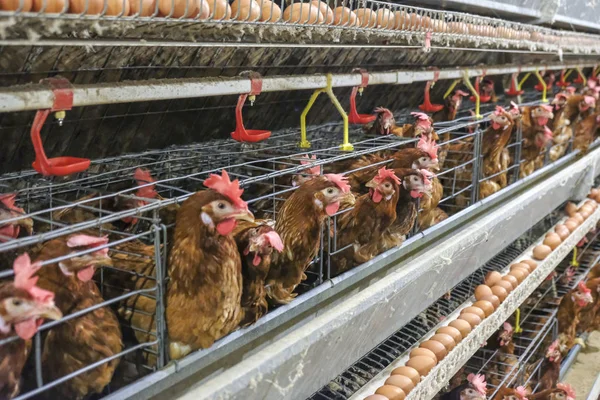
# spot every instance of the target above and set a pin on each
(348, 325)
(39, 96)
(577, 14)
(448, 28)
(438, 378)
(393, 349)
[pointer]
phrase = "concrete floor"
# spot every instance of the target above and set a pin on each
(586, 367)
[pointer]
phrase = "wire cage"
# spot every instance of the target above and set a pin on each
(359, 374)
(106, 200)
(540, 328)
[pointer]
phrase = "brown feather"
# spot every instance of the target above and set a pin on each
(78, 342)
(205, 288)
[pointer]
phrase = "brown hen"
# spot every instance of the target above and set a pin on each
(23, 306)
(256, 242)
(562, 391)
(299, 224)
(562, 132)
(360, 228)
(205, 269)
(384, 124)
(569, 313)
(536, 135)
(448, 113)
(494, 154)
(414, 185)
(588, 315)
(85, 340)
(550, 368)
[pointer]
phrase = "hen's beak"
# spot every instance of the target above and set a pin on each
(435, 165)
(49, 312)
(92, 259)
(27, 224)
(243, 215)
(371, 184)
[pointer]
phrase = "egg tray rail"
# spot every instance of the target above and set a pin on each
(445, 27)
(540, 327)
(359, 374)
(433, 382)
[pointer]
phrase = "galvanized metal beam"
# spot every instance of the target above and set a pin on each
(39, 97)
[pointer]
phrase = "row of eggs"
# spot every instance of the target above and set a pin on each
(314, 12)
(488, 296)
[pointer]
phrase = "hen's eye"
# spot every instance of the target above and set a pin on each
(330, 191)
(221, 205)
(17, 302)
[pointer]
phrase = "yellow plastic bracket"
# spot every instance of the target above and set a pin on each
(468, 84)
(451, 88)
(582, 76)
(304, 143)
(568, 73)
(522, 81)
(544, 86)
(518, 328)
(574, 261)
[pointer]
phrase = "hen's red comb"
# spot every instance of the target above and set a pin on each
(521, 392)
(592, 83)
(223, 185)
(589, 100)
(478, 383)
(275, 240)
(422, 119)
(385, 111)
(427, 176)
(420, 116)
(86, 240)
(384, 174)
(553, 347)
(143, 177)
(8, 200)
(508, 327)
(583, 288)
(499, 110)
(25, 279)
(459, 93)
(571, 89)
(340, 181)
(429, 147)
(560, 95)
(316, 170)
(568, 389)
(546, 107)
